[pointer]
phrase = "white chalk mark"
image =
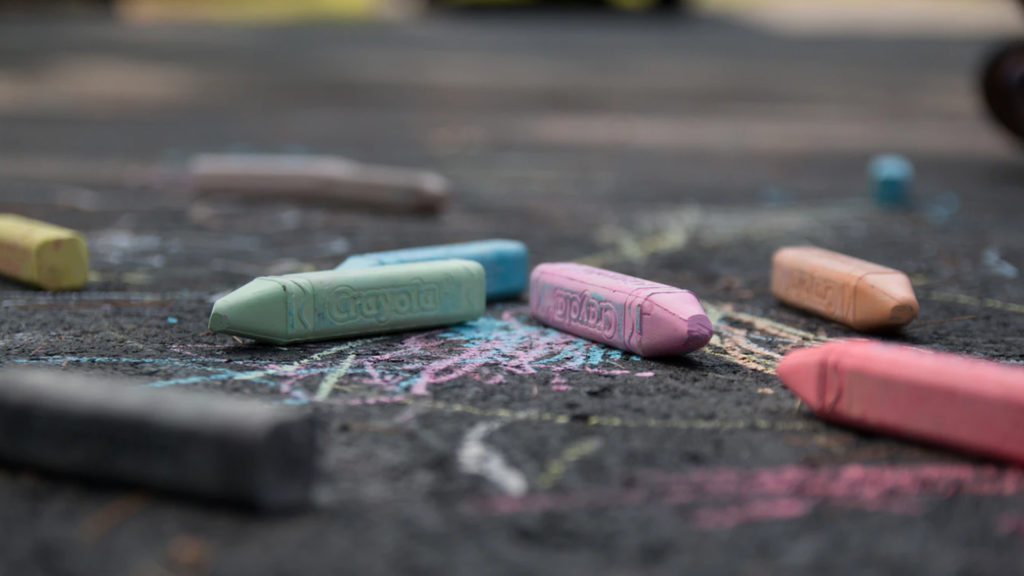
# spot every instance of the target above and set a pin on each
(331, 378)
(288, 368)
(477, 458)
(995, 264)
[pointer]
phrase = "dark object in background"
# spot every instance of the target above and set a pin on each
(1002, 86)
(221, 448)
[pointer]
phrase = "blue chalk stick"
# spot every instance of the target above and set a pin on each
(505, 262)
(891, 178)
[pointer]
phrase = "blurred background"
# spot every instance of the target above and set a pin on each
(682, 143)
(876, 16)
(612, 112)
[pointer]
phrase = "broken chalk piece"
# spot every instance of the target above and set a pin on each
(318, 178)
(348, 303)
(863, 295)
(44, 255)
(505, 262)
(645, 318)
(892, 180)
(965, 403)
(191, 443)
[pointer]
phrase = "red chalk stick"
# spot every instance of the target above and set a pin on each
(965, 403)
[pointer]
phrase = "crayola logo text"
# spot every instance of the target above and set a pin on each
(382, 304)
(581, 309)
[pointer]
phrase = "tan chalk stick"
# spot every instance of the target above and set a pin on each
(318, 178)
(863, 295)
(44, 255)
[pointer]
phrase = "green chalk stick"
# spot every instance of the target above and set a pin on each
(349, 303)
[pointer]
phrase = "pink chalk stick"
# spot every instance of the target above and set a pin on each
(973, 405)
(645, 318)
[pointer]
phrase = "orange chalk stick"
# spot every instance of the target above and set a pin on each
(863, 295)
(972, 405)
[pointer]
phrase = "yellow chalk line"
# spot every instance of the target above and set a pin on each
(675, 230)
(770, 326)
(976, 302)
(556, 468)
(632, 249)
(732, 343)
(733, 353)
(256, 11)
(740, 337)
(616, 422)
(601, 259)
(331, 379)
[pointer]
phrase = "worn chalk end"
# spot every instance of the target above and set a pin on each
(885, 301)
(255, 310)
(675, 324)
(62, 263)
(698, 331)
(219, 322)
(802, 372)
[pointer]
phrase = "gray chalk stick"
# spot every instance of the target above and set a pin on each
(216, 447)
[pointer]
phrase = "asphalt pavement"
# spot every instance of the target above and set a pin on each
(682, 150)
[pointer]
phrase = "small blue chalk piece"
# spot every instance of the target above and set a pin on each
(892, 179)
(172, 320)
(505, 262)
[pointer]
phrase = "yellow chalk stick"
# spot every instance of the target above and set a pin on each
(45, 255)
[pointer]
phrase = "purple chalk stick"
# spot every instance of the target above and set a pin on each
(645, 318)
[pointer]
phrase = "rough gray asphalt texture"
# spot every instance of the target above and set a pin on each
(682, 151)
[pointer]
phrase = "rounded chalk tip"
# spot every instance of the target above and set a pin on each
(698, 331)
(435, 184)
(432, 192)
(884, 301)
(902, 314)
(802, 371)
(219, 322)
(674, 323)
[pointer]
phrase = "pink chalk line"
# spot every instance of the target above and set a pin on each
(723, 498)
